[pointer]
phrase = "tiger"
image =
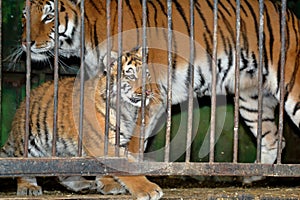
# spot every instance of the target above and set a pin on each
(41, 127)
(96, 37)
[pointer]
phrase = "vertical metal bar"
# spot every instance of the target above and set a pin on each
(260, 79)
(237, 83)
(28, 73)
(120, 49)
(107, 102)
(82, 53)
(213, 86)
(144, 61)
(1, 67)
(191, 85)
(170, 71)
(56, 49)
(282, 87)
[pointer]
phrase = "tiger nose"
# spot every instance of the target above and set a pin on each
(148, 92)
(24, 43)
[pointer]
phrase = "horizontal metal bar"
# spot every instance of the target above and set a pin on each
(100, 166)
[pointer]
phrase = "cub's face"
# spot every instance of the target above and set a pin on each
(42, 34)
(131, 79)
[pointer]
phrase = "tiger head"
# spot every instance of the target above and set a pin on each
(42, 34)
(131, 78)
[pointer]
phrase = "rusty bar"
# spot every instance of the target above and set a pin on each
(10, 167)
(282, 85)
(237, 83)
(170, 71)
(213, 86)
(144, 61)
(107, 101)
(28, 74)
(120, 49)
(260, 79)
(82, 53)
(55, 96)
(191, 85)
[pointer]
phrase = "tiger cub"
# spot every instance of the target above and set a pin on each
(41, 127)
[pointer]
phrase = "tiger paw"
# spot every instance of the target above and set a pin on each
(28, 186)
(141, 188)
(150, 192)
(29, 191)
(108, 185)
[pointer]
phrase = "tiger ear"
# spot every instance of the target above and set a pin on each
(113, 59)
(140, 51)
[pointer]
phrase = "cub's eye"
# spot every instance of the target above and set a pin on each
(48, 18)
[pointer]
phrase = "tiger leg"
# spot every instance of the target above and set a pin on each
(28, 186)
(249, 111)
(139, 186)
(109, 185)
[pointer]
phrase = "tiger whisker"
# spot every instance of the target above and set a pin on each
(63, 65)
(13, 58)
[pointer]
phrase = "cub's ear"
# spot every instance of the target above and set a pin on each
(113, 59)
(139, 51)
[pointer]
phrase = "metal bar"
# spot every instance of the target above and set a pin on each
(28, 74)
(170, 71)
(260, 79)
(1, 68)
(237, 83)
(213, 86)
(191, 85)
(95, 166)
(120, 49)
(82, 54)
(107, 101)
(282, 85)
(144, 61)
(55, 96)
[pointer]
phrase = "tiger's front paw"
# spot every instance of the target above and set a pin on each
(27, 186)
(108, 185)
(31, 190)
(141, 188)
(149, 192)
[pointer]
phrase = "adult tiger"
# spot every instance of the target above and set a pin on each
(42, 37)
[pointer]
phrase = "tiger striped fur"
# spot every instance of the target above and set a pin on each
(42, 13)
(41, 127)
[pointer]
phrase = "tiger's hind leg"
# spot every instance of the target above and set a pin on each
(28, 186)
(249, 112)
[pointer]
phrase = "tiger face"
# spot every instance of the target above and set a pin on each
(131, 78)
(42, 33)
